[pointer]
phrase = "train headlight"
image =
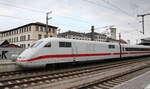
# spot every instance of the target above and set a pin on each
(21, 58)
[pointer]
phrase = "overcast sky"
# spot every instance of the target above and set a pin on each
(79, 15)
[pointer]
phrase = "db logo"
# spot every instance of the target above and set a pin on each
(3, 55)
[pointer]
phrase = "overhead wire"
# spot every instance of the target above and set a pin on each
(40, 11)
(121, 10)
(14, 17)
(21, 7)
(99, 5)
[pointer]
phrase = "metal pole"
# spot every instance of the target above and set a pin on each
(92, 33)
(47, 18)
(46, 24)
(120, 46)
(143, 15)
(143, 23)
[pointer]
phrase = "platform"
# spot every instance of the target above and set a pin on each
(140, 82)
(8, 65)
(6, 61)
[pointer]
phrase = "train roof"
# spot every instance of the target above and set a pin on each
(86, 41)
(74, 40)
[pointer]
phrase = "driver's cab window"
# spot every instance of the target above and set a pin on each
(48, 44)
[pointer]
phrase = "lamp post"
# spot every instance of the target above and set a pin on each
(47, 18)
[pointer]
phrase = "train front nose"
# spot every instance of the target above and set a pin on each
(21, 61)
(23, 58)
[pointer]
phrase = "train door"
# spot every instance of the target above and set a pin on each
(74, 51)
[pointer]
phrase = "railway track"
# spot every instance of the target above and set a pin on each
(46, 77)
(10, 74)
(109, 83)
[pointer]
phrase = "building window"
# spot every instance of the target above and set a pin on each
(20, 38)
(45, 36)
(16, 31)
(37, 28)
(39, 36)
(44, 29)
(53, 30)
(14, 39)
(9, 40)
(28, 45)
(41, 29)
(29, 28)
(24, 29)
(28, 37)
(23, 45)
(49, 29)
(24, 38)
(21, 30)
(17, 39)
(51, 36)
(9, 33)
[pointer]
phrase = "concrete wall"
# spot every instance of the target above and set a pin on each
(10, 53)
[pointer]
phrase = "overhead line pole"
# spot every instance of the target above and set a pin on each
(120, 46)
(92, 33)
(143, 15)
(47, 18)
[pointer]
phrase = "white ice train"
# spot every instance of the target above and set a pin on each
(59, 50)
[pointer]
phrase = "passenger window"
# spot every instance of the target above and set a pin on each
(48, 44)
(111, 46)
(65, 44)
(61, 44)
(68, 44)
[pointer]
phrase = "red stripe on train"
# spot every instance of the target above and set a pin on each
(78, 55)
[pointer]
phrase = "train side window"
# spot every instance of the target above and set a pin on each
(48, 44)
(36, 44)
(111, 46)
(137, 49)
(68, 44)
(61, 44)
(65, 44)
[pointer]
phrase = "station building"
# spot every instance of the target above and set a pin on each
(82, 36)
(26, 35)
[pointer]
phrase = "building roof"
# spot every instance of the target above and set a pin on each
(72, 33)
(95, 33)
(79, 34)
(36, 23)
(10, 46)
(5, 42)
